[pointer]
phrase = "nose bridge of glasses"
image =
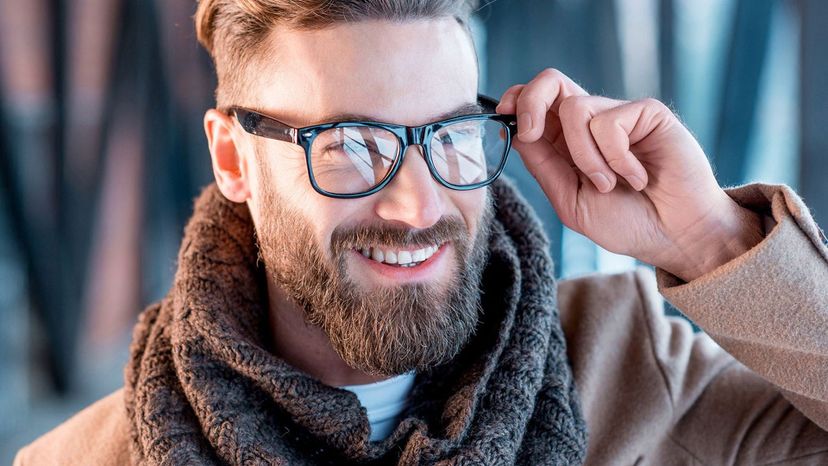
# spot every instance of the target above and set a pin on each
(416, 140)
(414, 174)
(416, 135)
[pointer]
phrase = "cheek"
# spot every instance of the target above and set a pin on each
(286, 167)
(326, 214)
(470, 205)
(282, 180)
(287, 177)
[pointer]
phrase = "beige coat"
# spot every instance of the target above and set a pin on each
(652, 391)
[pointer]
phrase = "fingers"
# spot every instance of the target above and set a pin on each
(576, 115)
(558, 179)
(532, 102)
(542, 95)
(597, 131)
(552, 91)
(616, 129)
(509, 99)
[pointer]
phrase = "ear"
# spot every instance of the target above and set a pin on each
(229, 165)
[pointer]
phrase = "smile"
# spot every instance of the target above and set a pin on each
(400, 258)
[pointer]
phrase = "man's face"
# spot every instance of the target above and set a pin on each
(331, 256)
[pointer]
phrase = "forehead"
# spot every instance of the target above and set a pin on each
(398, 72)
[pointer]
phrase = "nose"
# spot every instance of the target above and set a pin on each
(413, 196)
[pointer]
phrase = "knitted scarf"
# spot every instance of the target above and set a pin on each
(201, 388)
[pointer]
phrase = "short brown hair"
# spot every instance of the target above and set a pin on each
(233, 31)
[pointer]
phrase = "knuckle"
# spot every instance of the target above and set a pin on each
(523, 95)
(655, 104)
(618, 162)
(524, 100)
(571, 105)
(600, 125)
(530, 100)
(551, 73)
(514, 89)
(581, 158)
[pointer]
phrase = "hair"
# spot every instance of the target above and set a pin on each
(234, 31)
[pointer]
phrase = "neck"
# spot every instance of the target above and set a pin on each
(305, 346)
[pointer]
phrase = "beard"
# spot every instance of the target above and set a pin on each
(384, 330)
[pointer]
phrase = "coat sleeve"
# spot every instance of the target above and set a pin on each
(768, 308)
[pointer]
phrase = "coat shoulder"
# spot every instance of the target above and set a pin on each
(98, 434)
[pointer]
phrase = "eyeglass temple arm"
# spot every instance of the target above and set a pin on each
(261, 125)
(488, 103)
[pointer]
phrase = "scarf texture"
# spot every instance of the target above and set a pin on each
(201, 386)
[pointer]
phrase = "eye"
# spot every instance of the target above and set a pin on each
(334, 147)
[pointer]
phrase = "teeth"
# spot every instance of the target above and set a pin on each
(419, 255)
(390, 257)
(402, 258)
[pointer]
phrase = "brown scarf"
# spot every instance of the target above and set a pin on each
(201, 388)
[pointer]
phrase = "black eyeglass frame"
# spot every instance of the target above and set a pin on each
(251, 121)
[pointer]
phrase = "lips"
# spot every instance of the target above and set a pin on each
(399, 257)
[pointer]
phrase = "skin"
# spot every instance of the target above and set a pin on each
(629, 176)
(678, 218)
(361, 68)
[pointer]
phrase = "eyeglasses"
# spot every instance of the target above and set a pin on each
(352, 159)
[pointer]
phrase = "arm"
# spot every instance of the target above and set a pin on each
(631, 177)
(769, 307)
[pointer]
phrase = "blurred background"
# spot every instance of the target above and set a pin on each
(102, 149)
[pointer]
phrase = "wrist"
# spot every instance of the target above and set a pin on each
(715, 243)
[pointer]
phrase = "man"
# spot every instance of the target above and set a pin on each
(356, 287)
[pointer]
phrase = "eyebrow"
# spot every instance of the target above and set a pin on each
(465, 109)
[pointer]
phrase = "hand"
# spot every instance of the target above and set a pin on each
(628, 175)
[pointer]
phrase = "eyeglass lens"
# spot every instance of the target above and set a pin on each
(355, 159)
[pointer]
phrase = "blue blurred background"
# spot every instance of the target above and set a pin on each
(102, 151)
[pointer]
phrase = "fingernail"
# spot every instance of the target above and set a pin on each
(600, 181)
(524, 123)
(636, 182)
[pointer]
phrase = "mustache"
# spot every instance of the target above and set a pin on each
(446, 229)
